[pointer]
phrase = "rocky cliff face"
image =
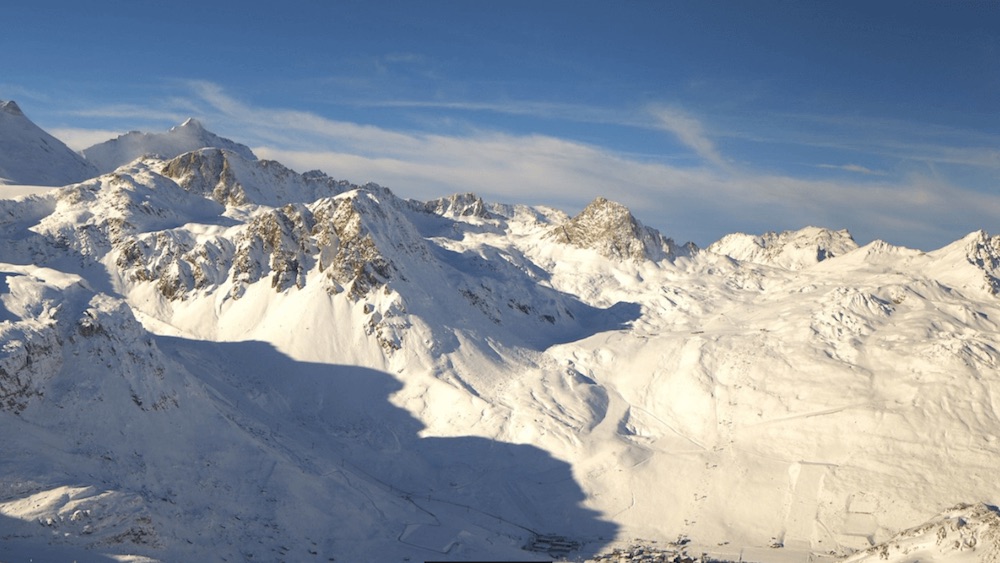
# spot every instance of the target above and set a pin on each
(54, 321)
(610, 229)
(231, 179)
(458, 205)
(983, 252)
(133, 216)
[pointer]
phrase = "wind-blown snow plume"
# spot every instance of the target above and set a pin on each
(186, 137)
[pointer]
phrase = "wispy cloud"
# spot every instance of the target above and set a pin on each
(690, 132)
(404, 58)
(857, 168)
(79, 139)
(579, 113)
(894, 139)
(135, 112)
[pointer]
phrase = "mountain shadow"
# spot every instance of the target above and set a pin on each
(19, 544)
(342, 455)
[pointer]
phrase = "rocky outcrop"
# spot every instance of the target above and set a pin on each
(609, 228)
(458, 205)
(230, 179)
(276, 242)
(349, 256)
(983, 251)
(27, 361)
(51, 317)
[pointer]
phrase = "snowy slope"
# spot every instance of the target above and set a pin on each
(222, 358)
(817, 408)
(186, 137)
(963, 533)
(29, 155)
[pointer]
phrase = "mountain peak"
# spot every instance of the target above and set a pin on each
(610, 228)
(980, 251)
(230, 178)
(29, 155)
(458, 205)
(184, 138)
(609, 213)
(190, 123)
(10, 107)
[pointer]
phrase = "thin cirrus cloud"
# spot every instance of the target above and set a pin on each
(78, 138)
(857, 168)
(690, 132)
(893, 139)
(700, 202)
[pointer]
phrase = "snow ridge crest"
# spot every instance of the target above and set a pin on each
(230, 178)
(29, 155)
(10, 107)
(792, 250)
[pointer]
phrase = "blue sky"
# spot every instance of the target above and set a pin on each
(704, 117)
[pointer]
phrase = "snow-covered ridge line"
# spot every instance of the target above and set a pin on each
(30, 156)
(793, 250)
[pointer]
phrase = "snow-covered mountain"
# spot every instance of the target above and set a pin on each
(793, 250)
(30, 156)
(210, 357)
(186, 137)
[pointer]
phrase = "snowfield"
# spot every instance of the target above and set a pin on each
(210, 357)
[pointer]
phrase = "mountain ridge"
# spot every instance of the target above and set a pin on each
(189, 136)
(789, 249)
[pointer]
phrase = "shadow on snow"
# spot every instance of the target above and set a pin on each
(453, 497)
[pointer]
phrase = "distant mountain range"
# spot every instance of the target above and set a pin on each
(30, 156)
(207, 356)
